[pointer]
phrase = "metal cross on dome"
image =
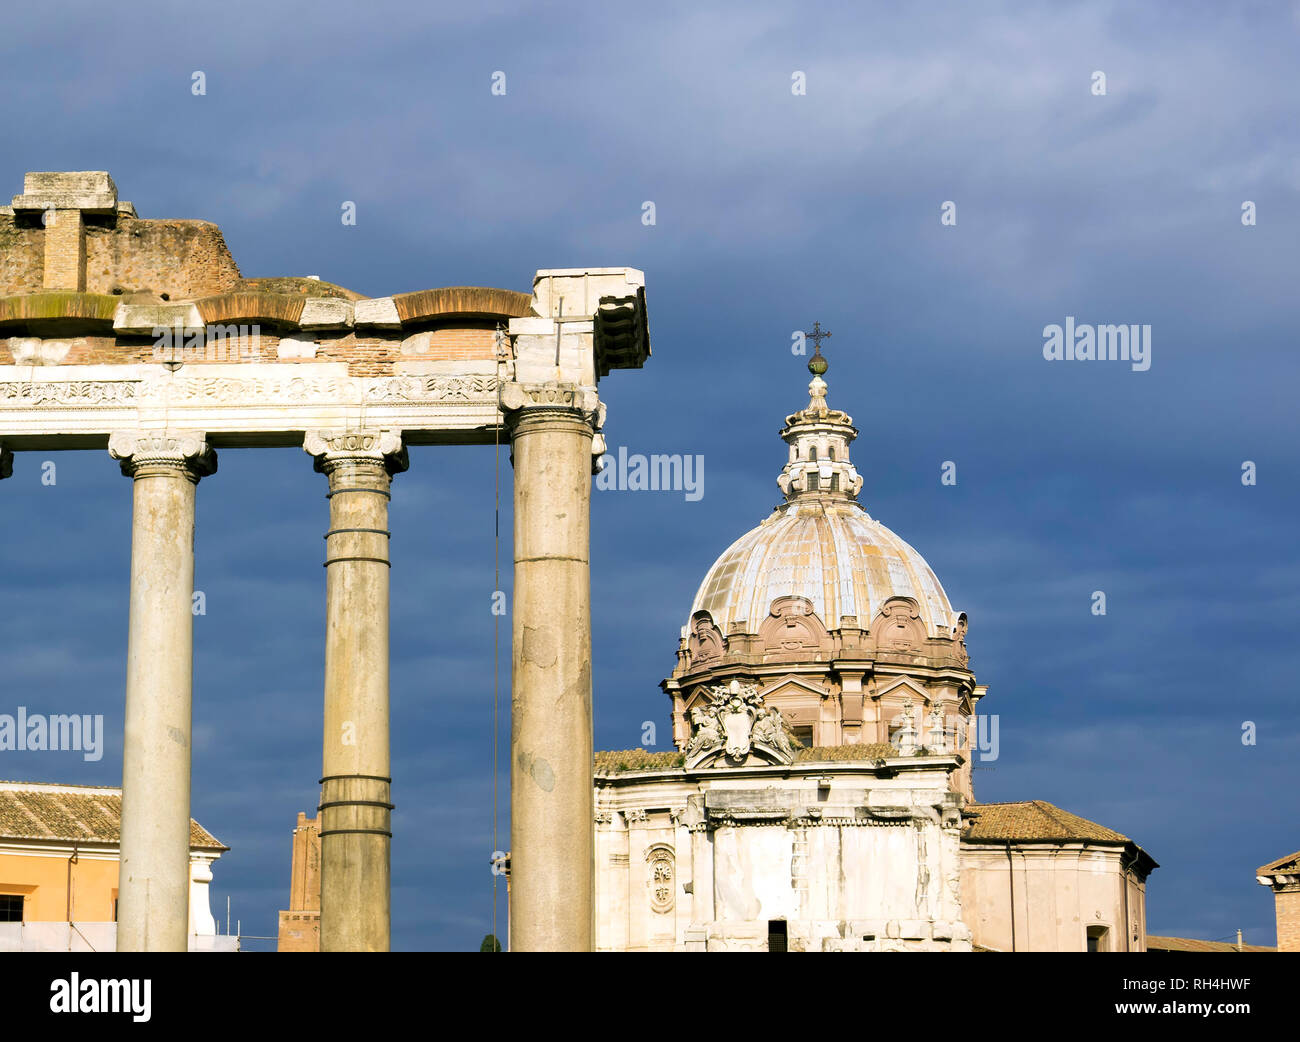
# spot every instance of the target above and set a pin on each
(817, 363)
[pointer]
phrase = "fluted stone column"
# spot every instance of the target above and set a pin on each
(355, 807)
(154, 875)
(551, 811)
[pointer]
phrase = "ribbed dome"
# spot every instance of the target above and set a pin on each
(833, 553)
(820, 544)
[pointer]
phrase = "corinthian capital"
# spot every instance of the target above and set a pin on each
(149, 453)
(520, 399)
(356, 447)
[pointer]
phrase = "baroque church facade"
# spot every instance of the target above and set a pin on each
(820, 795)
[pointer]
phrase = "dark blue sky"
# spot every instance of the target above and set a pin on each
(772, 210)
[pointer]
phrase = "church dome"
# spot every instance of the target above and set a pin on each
(820, 544)
(843, 561)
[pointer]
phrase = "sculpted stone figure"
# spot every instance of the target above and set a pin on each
(935, 737)
(769, 730)
(706, 731)
(905, 737)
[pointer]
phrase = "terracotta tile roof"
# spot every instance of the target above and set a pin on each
(1289, 865)
(842, 753)
(1191, 944)
(73, 813)
(619, 760)
(1031, 820)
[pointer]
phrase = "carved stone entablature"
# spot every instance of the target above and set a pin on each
(67, 393)
(339, 448)
(263, 401)
(737, 727)
(144, 452)
(430, 388)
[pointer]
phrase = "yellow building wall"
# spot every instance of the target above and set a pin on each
(43, 880)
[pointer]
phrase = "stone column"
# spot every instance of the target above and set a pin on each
(355, 811)
(154, 875)
(551, 823)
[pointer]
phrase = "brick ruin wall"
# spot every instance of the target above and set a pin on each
(182, 259)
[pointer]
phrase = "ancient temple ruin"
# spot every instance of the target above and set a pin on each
(142, 337)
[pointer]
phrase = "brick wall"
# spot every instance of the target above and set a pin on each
(65, 251)
(1288, 920)
(184, 259)
(364, 355)
(22, 256)
(459, 344)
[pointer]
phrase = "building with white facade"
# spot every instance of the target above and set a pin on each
(820, 796)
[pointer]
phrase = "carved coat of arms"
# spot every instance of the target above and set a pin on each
(735, 727)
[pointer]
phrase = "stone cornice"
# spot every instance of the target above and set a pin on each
(736, 664)
(90, 850)
(80, 313)
(616, 326)
(888, 767)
